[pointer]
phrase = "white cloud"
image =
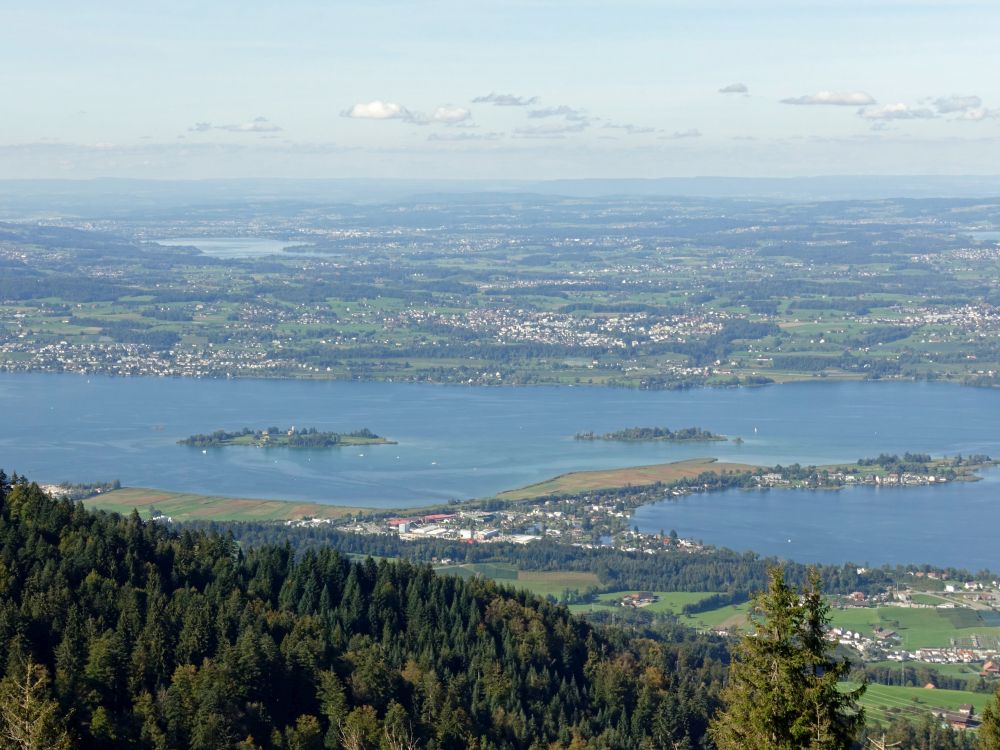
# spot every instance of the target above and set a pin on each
(550, 130)
(256, 125)
(978, 114)
(377, 110)
(897, 111)
(563, 110)
(679, 134)
(835, 98)
(505, 100)
(629, 128)
(452, 136)
(734, 88)
(955, 103)
(451, 115)
(381, 110)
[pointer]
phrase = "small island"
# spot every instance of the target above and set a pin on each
(273, 437)
(642, 434)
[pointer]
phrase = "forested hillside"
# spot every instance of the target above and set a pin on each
(118, 633)
(710, 570)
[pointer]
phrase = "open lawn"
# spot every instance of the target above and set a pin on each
(667, 601)
(540, 582)
(883, 702)
(732, 616)
(964, 671)
(927, 599)
(182, 506)
(633, 476)
(918, 627)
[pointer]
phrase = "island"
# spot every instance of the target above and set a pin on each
(643, 434)
(272, 437)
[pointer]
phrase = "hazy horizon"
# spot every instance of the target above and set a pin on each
(526, 90)
(34, 198)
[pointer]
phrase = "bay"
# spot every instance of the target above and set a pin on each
(952, 525)
(463, 442)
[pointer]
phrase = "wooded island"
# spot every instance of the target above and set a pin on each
(641, 434)
(273, 437)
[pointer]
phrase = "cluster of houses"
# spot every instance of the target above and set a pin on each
(884, 644)
(134, 359)
(469, 527)
(607, 332)
(774, 479)
(598, 520)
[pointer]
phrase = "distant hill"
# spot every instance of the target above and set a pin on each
(86, 198)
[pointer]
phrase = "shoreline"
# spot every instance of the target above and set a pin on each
(781, 379)
(189, 506)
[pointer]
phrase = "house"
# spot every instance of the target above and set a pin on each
(883, 634)
(639, 599)
(960, 719)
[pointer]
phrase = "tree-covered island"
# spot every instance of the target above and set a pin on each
(643, 434)
(273, 437)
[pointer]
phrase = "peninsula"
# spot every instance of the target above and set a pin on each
(272, 437)
(644, 434)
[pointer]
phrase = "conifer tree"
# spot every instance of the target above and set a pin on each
(30, 719)
(782, 692)
(989, 731)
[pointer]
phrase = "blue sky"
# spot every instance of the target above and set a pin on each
(516, 89)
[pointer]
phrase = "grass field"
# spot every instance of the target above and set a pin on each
(918, 628)
(667, 601)
(884, 702)
(182, 506)
(964, 671)
(540, 582)
(730, 616)
(634, 476)
(927, 599)
(724, 618)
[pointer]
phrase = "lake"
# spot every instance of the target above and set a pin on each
(951, 525)
(463, 442)
(234, 247)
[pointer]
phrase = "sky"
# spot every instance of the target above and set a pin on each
(518, 89)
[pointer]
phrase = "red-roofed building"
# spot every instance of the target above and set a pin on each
(438, 517)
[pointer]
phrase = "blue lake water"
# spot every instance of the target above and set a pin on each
(234, 247)
(953, 525)
(459, 442)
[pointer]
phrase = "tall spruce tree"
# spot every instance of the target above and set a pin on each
(783, 691)
(989, 731)
(30, 719)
